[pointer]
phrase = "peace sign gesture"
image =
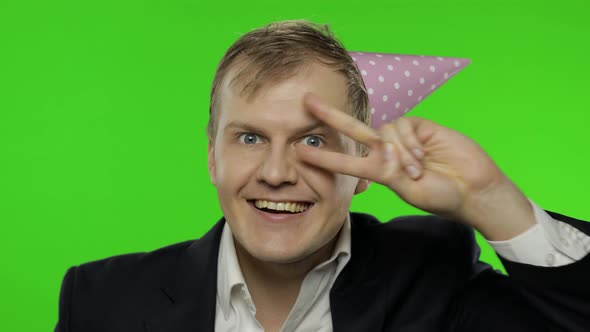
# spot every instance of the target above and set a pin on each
(431, 167)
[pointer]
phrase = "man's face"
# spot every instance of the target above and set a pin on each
(252, 162)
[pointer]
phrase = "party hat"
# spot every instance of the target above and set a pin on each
(396, 82)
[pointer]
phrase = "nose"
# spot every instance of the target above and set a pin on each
(277, 167)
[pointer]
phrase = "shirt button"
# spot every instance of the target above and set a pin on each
(550, 259)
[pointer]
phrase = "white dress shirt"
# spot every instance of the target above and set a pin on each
(548, 243)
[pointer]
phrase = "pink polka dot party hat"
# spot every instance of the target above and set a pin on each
(396, 82)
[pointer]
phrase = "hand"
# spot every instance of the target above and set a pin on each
(429, 166)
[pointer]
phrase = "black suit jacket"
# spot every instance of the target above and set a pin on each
(414, 273)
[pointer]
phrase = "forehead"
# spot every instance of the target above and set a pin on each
(283, 99)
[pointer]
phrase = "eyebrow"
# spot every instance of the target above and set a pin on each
(249, 127)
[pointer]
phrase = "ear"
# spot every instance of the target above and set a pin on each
(211, 162)
(361, 186)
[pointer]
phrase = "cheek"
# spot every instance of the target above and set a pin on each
(334, 189)
(320, 180)
(344, 187)
(235, 167)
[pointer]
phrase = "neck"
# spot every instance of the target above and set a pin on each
(271, 274)
(274, 287)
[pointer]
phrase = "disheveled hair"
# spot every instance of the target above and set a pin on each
(278, 51)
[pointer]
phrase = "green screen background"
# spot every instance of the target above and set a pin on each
(103, 108)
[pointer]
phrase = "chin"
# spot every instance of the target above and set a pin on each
(281, 255)
(275, 250)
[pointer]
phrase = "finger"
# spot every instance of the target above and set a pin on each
(341, 121)
(350, 165)
(407, 133)
(424, 129)
(408, 161)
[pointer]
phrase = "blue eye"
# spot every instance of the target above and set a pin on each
(313, 140)
(249, 138)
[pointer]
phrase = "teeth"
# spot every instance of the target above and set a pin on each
(282, 206)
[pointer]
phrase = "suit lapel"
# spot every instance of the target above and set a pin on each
(357, 287)
(189, 293)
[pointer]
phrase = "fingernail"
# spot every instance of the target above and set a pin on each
(388, 151)
(413, 171)
(418, 153)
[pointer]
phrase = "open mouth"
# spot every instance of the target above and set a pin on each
(281, 207)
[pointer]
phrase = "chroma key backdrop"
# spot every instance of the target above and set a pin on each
(103, 108)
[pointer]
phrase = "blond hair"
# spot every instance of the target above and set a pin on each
(276, 52)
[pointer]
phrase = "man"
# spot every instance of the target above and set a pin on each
(289, 145)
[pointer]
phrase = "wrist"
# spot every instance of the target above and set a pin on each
(500, 213)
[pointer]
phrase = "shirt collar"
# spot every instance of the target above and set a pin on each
(229, 274)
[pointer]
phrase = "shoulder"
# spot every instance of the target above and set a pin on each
(417, 240)
(123, 287)
(127, 288)
(132, 266)
(136, 276)
(414, 227)
(417, 253)
(149, 267)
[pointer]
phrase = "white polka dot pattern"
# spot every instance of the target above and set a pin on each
(396, 83)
